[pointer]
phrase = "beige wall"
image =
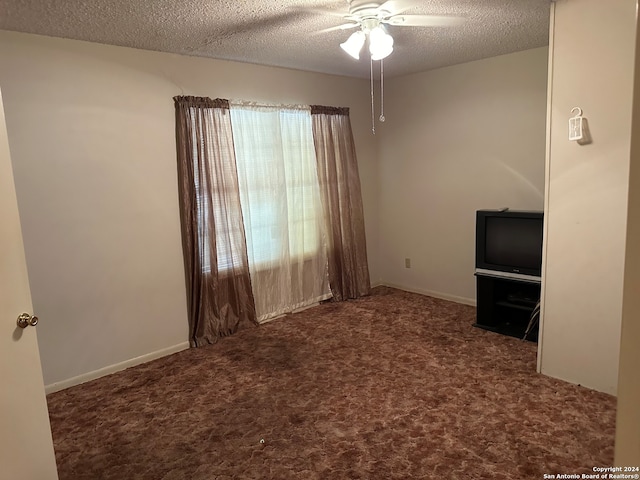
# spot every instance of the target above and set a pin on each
(628, 421)
(91, 129)
(587, 192)
(456, 140)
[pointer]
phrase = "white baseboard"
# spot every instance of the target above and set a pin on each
(431, 293)
(86, 377)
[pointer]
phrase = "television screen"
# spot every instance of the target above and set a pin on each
(509, 241)
(514, 242)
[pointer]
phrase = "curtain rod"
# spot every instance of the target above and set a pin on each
(247, 103)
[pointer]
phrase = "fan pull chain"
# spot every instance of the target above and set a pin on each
(382, 119)
(373, 114)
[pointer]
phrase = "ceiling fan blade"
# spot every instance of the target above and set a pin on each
(397, 6)
(423, 21)
(344, 26)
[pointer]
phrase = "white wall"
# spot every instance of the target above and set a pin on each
(456, 140)
(592, 67)
(91, 129)
(628, 414)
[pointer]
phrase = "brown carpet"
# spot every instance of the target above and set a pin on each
(392, 386)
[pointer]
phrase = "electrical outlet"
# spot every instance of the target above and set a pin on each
(407, 263)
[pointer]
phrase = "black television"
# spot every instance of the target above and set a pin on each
(509, 241)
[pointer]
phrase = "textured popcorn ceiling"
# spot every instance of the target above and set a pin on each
(282, 33)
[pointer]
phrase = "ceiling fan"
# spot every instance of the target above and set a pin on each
(372, 18)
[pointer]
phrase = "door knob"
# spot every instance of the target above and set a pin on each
(24, 320)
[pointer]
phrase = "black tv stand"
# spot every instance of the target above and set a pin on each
(505, 302)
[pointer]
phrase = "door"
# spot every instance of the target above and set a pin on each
(26, 447)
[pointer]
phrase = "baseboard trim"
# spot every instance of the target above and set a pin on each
(431, 293)
(86, 377)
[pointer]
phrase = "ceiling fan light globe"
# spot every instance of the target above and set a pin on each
(354, 44)
(380, 43)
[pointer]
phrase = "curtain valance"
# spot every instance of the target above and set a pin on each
(204, 102)
(323, 110)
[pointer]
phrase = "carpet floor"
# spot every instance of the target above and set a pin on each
(392, 386)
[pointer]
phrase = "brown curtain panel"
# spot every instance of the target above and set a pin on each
(342, 202)
(218, 285)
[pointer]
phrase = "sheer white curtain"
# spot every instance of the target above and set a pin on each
(282, 213)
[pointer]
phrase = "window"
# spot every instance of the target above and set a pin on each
(278, 183)
(280, 206)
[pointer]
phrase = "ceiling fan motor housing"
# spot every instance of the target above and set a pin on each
(366, 9)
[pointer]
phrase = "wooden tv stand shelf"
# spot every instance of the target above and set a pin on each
(505, 303)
